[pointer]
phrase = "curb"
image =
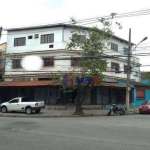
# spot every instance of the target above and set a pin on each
(59, 116)
(52, 116)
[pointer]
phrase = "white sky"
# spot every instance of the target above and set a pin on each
(16, 13)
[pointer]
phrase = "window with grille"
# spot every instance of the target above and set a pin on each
(16, 64)
(125, 68)
(20, 41)
(48, 61)
(114, 47)
(74, 62)
(79, 38)
(115, 66)
(47, 38)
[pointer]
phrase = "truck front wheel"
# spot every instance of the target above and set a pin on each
(28, 110)
(4, 109)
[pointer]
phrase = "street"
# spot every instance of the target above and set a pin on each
(76, 133)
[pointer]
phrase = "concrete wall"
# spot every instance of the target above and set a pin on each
(139, 101)
(34, 44)
(61, 37)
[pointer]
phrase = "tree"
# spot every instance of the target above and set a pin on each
(91, 42)
(145, 77)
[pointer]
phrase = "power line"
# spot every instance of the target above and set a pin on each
(94, 20)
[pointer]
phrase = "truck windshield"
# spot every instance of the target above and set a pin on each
(25, 99)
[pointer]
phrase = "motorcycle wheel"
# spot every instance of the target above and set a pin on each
(109, 113)
(122, 112)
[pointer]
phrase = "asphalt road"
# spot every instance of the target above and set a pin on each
(129, 132)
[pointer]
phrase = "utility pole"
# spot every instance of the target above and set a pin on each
(128, 88)
(0, 32)
(128, 73)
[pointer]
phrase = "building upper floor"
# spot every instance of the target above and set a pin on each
(50, 41)
(52, 37)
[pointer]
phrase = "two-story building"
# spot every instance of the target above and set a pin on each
(49, 41)
(2, 57)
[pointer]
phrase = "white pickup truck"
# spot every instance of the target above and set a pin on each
(22, 104)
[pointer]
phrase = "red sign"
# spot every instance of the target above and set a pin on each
(95, 80)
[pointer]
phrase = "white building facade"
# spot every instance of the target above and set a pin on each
(50, 42)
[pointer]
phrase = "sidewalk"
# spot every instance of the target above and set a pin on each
(64, 111)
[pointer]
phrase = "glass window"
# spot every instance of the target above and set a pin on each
(30, 37)
(47, 38)
(20, 41)
(125, 68)
(125, 50)
(25, 99)
(114, 47)
(74, 62)
(78, 38)
(48, 61)
(16, 63)
(148, 102)
(14, 101)
(115, 66)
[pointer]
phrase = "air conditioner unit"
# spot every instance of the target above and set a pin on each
(36, 36)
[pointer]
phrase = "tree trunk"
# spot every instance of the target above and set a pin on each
(82, 94)
(78, 109)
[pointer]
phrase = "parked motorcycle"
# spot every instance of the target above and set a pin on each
(117, 110)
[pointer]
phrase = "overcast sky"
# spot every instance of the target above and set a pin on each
(16, 13)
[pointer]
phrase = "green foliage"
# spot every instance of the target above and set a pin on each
(90, 43)
(55, 76)
(145, 76)
(67, 90)
(91, 46)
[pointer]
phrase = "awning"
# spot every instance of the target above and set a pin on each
(113, 85)
(48, 82)
(27, 83)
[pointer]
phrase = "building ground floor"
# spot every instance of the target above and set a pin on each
(52, 94)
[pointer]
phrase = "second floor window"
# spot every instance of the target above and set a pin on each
(16, 64)
(114, 47)
(125, 68)
(125, 50)
(115, 66)
(48, 62)
(74, 62)
(78, 38)
(20, 41)
(47, 38)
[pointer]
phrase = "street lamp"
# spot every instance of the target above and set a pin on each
(129, 69)
(139, 43)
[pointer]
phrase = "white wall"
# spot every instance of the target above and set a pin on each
(61, 37)
(34, 44)
(59, 65)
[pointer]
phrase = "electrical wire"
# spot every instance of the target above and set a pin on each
(94, 20)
